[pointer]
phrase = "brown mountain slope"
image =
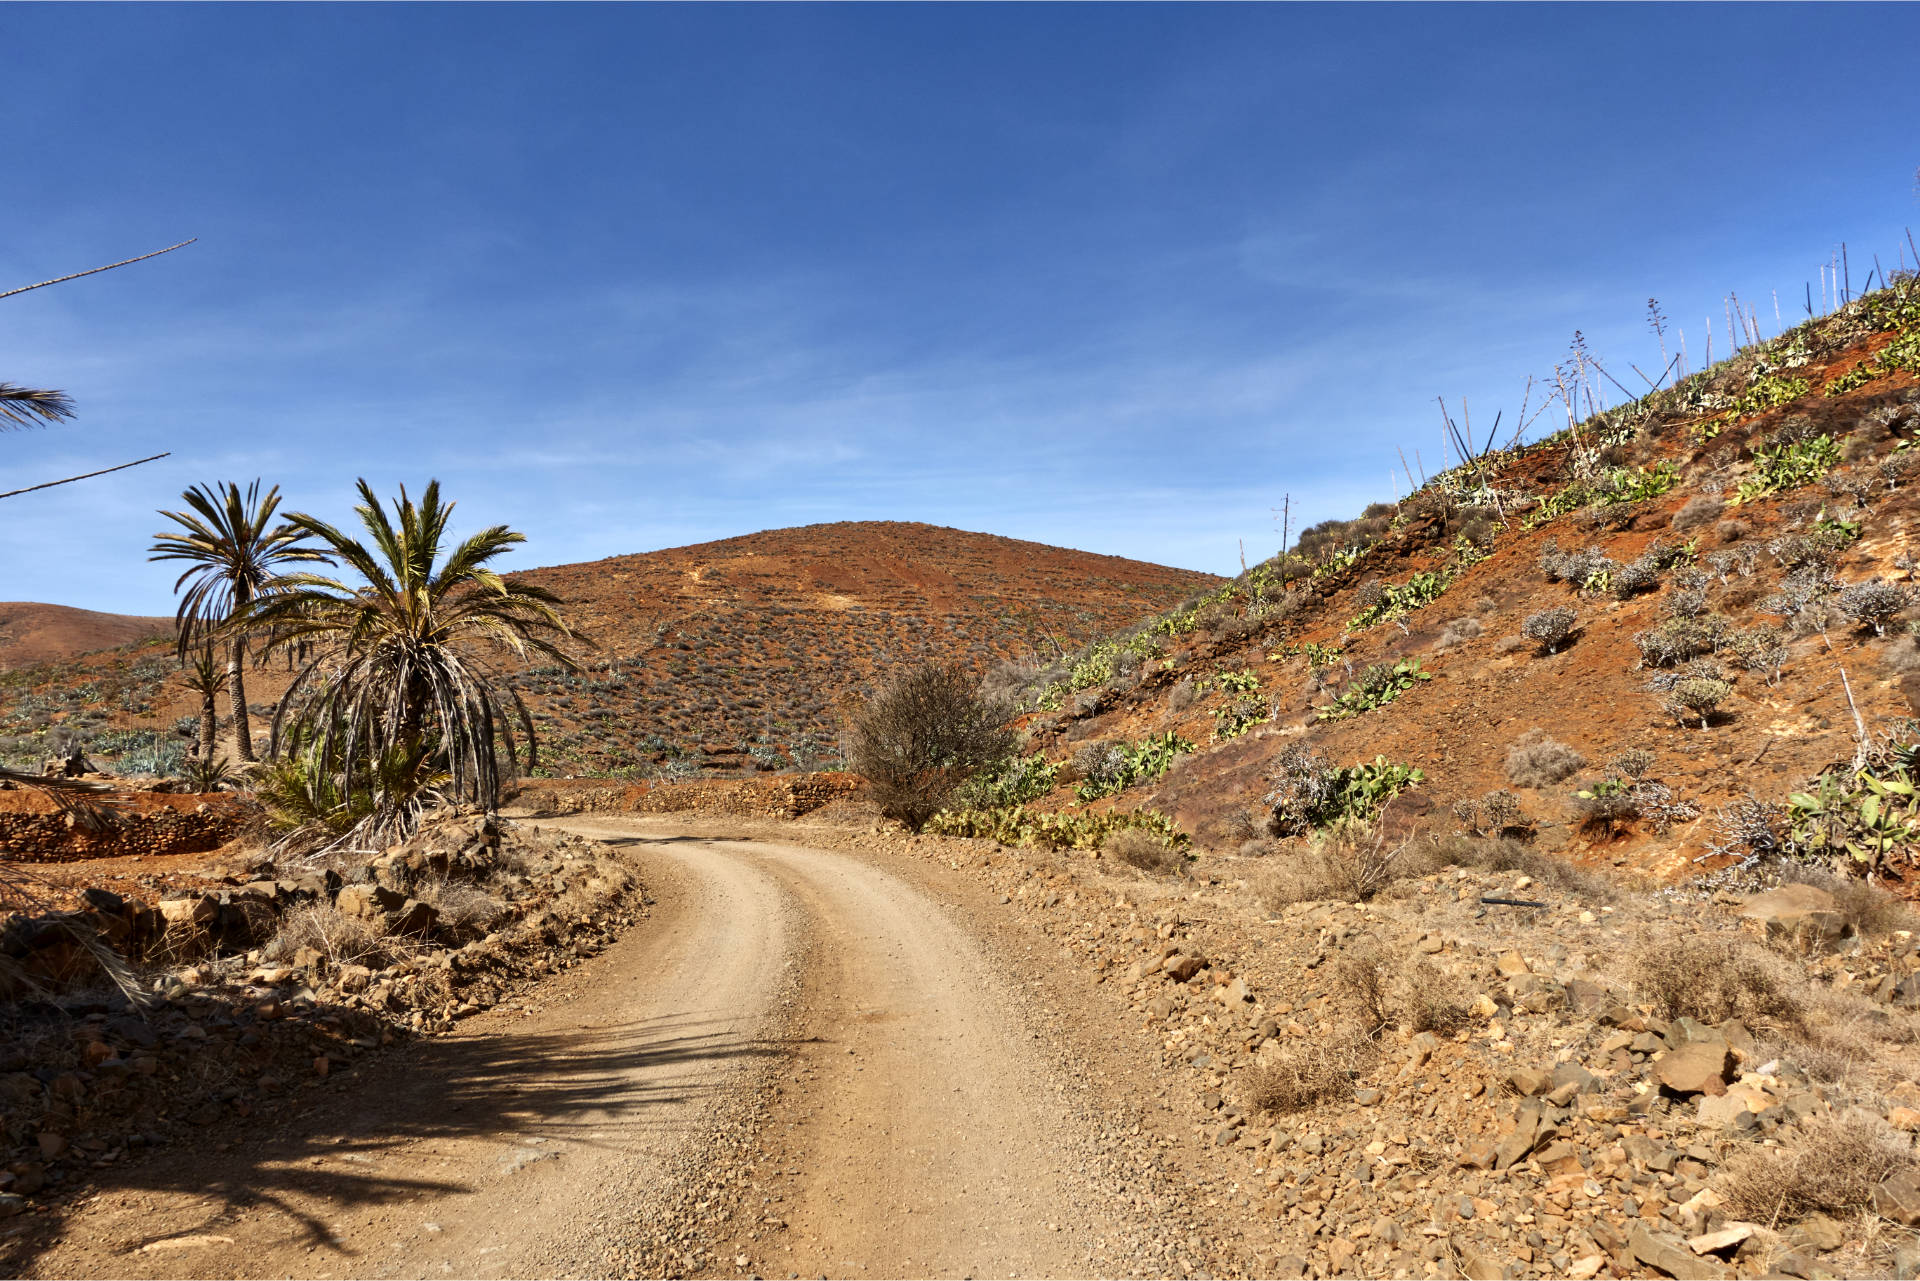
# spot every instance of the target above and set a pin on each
(712, 658)
(33, 633)
(714, 651)
(1745, 509)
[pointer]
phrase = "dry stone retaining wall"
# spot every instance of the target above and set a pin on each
(783, 796)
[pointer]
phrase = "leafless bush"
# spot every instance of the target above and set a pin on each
(1832, 1166)
(1508, 855)
(1457, 632)
(1550, 627)
(1715, 977)
(464, 907)
(1536, 760)
(1873, 603)
(1498, 813)
(1699, 510)
(1310, 1071)
(1733, 560)
(342, 939)
(922, 736)
(1387, 990)
(1181, 696)
(1358, 862)
(1136, 848)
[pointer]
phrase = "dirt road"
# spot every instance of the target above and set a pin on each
(800, 1064)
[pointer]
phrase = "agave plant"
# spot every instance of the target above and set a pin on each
(401, 692)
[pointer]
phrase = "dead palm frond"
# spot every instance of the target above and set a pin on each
(30, 407)
(235, 555)
(402, 671)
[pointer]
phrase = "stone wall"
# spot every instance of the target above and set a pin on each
(779, 796)
(33, 829)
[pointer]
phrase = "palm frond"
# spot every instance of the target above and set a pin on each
(30, 407)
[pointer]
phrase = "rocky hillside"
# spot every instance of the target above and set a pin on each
(1628, 642)
(719, 658)
(31, 633)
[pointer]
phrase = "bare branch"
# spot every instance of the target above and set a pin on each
(87, 476)
(94, 271)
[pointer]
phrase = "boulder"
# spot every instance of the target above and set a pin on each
(1527, 1082)
(1699, 1067)
(1899, 1198)
(1797, 909)
(414, 917)
(188, 911)
(1667, 1254)
(369, 902)
(1180, 967)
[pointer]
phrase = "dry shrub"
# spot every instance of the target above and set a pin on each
(1698, 511)
(1353, 863)
(1310, 1071)
(1535, 760)
(1832, 1167)
(1137, 848)
(1458, 632)
(1715, 977)
(1505, 854)
(1870, 909)
(342, 939)
(1387, 990)
(922, 736)
(464, 907)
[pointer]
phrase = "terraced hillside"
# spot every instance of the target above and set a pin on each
(716, 658)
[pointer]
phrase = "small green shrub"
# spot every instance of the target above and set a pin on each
(1122, 767)
(1020, 826)
(1790, 465)
(1375, 686)
(1308, 793)
(1550, 628)
(1393, 600)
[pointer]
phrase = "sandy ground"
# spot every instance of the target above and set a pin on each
(812, 1033)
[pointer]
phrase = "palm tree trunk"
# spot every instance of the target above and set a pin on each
(209, 724)
(237, 693)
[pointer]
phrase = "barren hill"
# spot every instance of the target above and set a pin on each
(718, 657)
(722, 654)
(34, 633)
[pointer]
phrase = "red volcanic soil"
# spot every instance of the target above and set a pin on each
(33, 633)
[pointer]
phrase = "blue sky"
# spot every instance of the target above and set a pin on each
(1110, 277)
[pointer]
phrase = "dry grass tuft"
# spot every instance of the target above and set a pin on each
(1831, 1167)
(1145, 851)
(1387, 990)
(1310, 1071)
(1715, 977)
(342, 939)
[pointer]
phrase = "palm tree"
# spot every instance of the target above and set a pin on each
(203, 675)
(400, 689)
(235, 560)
